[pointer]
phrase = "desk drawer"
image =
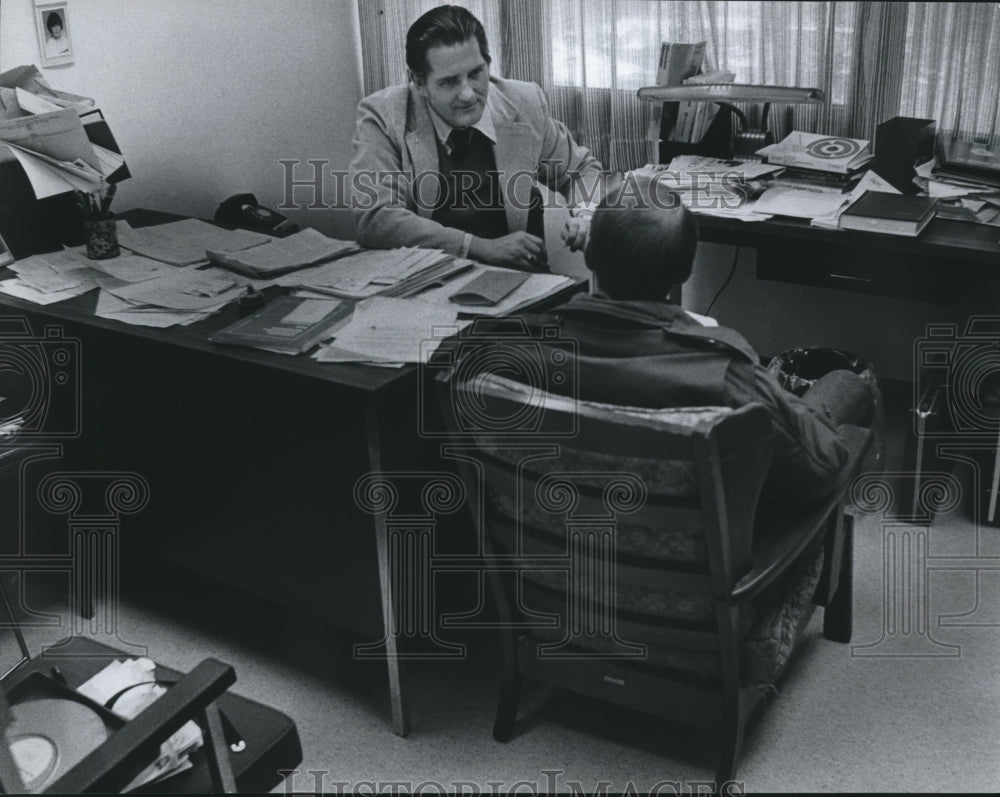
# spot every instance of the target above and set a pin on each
(864, 270)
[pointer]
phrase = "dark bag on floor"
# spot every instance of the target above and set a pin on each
(797, 369)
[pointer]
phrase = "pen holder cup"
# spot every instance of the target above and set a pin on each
(102, 239)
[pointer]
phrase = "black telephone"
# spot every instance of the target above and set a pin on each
(243, 210)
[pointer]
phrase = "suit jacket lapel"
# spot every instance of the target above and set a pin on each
(513, 151)
(422, 145)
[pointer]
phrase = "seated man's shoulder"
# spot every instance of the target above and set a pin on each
(516, 96)
(389, 102)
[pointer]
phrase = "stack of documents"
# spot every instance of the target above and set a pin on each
(369, 272)
(281, 255)
(186, 242)
(390, 331)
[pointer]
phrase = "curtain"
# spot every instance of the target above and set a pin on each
(873, 60)
(603, 50)
(383, 36)
(952, 68)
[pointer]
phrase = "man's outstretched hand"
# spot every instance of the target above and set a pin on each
(517, 250)
(575, 232)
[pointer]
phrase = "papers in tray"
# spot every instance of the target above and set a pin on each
(183, 243)
(286, 325)
(281, 255)
(140, 674)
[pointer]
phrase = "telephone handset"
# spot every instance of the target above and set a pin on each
(243, 210)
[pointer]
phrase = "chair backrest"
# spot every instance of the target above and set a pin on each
(639, 518)
(700, 471)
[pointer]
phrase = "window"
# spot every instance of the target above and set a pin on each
(874, 60)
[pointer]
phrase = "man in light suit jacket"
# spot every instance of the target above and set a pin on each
(450, 161)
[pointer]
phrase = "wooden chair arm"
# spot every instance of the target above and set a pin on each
(787, 537)
(112, 765)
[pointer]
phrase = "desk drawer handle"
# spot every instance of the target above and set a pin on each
(850, 277)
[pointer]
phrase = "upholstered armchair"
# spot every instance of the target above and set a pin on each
(633, 559)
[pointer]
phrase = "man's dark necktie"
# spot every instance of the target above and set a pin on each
(458, 141)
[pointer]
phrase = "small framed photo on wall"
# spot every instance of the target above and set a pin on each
(54, 43)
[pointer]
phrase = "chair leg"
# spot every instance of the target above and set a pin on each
(838, 619)
(732, 746)
(510, 698)
(510, 684)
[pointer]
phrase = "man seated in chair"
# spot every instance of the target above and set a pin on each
(636, 348)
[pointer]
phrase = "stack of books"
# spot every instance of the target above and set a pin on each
(814, 159)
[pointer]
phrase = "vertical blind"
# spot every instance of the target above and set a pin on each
(874, 60)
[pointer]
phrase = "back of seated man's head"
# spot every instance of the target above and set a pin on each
(642, 241)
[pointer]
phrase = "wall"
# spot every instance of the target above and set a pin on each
(205, 97)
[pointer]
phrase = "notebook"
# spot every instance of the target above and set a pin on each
(489, 288)
(894, 214)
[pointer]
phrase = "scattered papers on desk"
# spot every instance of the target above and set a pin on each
(870, 181)
(49, 278)
(281, 255)
(141, 674)
(184, 243)
(804, 202)
(712, 186)
(387, 330)
(112, 308)
(181, 296)
(187, 289)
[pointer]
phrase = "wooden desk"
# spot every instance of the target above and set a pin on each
(252, 458)
(947, 260)
(937, 266)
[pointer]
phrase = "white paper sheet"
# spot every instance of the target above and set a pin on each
(396, 330)
(185, 242)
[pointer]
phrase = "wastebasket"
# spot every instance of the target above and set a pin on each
(797, 369)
